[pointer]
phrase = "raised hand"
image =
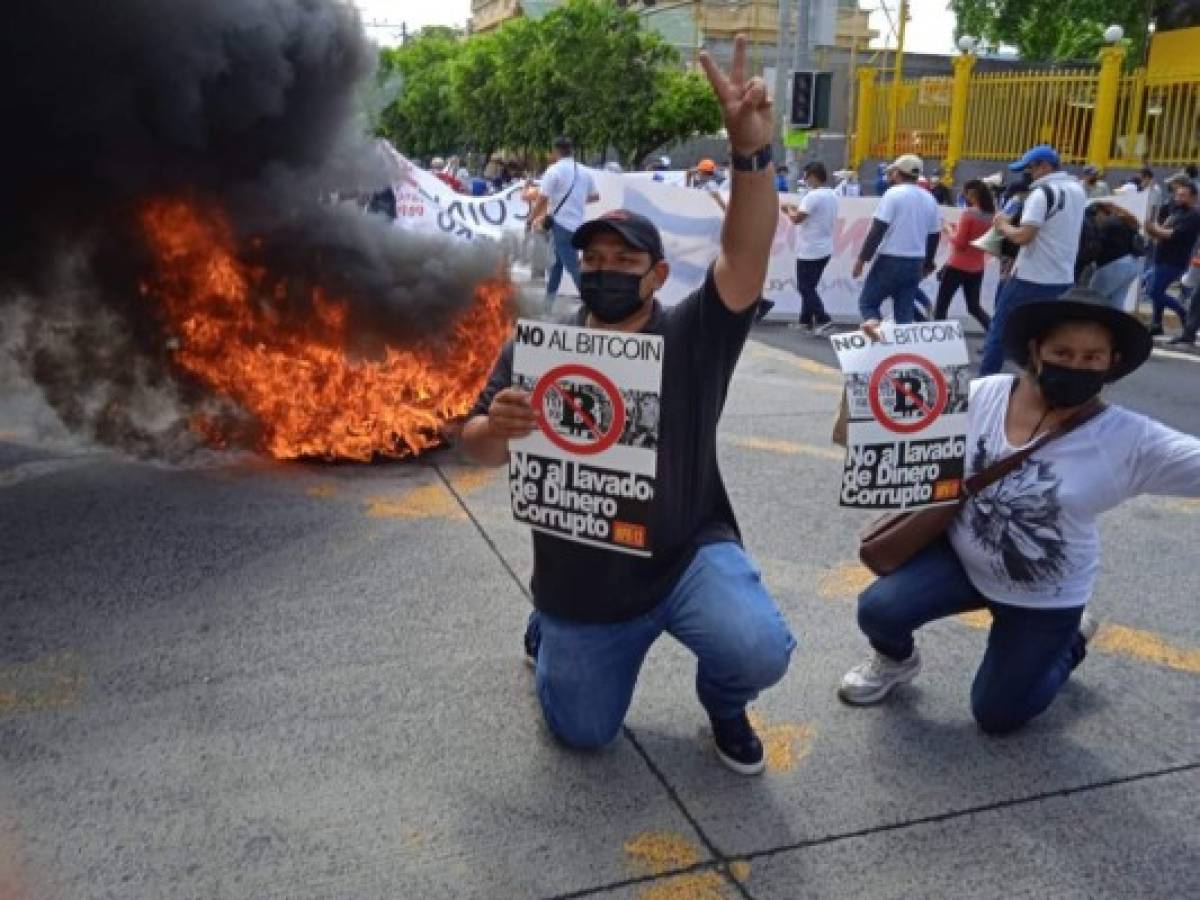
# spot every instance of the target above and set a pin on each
(747, 112)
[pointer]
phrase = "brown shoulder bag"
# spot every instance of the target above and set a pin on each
(893, 539)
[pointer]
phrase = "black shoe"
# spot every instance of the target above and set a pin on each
(1182, 341)
(764, 307)
(533, 639)
(737, 744)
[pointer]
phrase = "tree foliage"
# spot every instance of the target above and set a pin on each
(1064, 29)
(587, 70)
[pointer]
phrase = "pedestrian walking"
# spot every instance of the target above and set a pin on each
(1121, 247)
(1048, 237)
(965, 267)
(904, 232)
(1026, 548)
(816, 217)
(1191, 325)
(598, 612)
(565, 190)
(1175, 240)
(1091, 179)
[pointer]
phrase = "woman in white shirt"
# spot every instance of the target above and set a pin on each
(1027, 548)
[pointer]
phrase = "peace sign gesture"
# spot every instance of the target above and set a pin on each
(745, 108)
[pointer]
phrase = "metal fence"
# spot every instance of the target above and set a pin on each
(922, 120)
(1007, 112)
(1157, 120)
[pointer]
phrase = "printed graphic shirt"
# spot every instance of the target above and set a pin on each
(1031, 539)
(702, 341)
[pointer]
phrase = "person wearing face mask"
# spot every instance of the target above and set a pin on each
(1026, 547)
(596, 612)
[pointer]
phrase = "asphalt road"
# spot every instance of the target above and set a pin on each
(245, 679)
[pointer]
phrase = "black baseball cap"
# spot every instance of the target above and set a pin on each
(634, 229)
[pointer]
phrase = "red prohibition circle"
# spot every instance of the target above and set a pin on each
(549, 380)
(931, 412)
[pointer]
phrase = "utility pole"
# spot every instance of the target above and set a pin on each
(897, 74)
(782, 106)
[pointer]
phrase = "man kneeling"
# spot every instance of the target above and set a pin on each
(598, 612)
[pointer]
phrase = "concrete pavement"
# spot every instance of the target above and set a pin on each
(247, 679)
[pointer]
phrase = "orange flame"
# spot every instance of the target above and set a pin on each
(308, 397)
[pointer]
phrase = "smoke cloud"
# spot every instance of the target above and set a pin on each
(249, 104)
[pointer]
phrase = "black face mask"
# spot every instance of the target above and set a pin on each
(611, 296)
(1064, 388)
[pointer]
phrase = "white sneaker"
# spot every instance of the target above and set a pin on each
(871, 681)
(824, 329)
(1088, 626)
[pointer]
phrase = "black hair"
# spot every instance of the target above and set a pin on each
(1147, 172)
(816, 170)
(563, 145)
(983, 195)
(1192, 170)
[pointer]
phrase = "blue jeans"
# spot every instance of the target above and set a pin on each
(898, 277)
(1114, 278)
(1030, 652)
(565, 257)
(1014, 293)
(718, 609)
(1162, 276)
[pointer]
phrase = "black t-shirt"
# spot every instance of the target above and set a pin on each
(702, 340)
(1185, 230)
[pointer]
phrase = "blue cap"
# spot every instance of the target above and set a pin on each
(1042, 153)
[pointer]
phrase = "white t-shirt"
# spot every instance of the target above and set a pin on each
(1031, 539)
(1050, 257)
(912, 215)
(816, 232)
(557, 181)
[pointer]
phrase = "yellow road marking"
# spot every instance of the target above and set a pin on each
(784, 745)
(430, 501)
(762, 351)
(979, 618)
(1186, 505)
(786, 447)
(50, 682)
(848, 580)
(659, 852)
(740, 869)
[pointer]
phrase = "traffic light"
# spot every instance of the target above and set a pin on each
(811, 93)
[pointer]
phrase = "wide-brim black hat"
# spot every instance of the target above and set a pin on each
(1031, 320)
(634, 229)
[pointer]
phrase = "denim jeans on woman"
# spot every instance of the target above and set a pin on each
(1030, 652)
(718, 609)
(565, 257)
(1016, 292)
(1113, 279)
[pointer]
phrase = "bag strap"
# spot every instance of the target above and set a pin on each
(574, 175)
(980, 481)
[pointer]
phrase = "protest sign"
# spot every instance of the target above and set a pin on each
(587, 473)
(907, 400)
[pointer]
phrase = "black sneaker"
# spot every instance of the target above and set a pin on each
(533, 639)
(737, 745)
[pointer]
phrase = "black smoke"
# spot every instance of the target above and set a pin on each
(253, 105)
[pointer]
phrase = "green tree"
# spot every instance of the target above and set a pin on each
(683, 106)
(422, 120)
(1065, 29)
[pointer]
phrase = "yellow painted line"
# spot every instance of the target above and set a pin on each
(740, 870)
(784, 744)
(49, 682)
(763, 351)
(659, 852)
(1184, 505)
(430, 501)
(844, 581)
(770, 445)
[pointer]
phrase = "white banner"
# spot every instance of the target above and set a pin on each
(690, 223)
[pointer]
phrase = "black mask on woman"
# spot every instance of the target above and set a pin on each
(611, 296)
(1064, 388)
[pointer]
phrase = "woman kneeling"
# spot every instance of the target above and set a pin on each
(1027, 547)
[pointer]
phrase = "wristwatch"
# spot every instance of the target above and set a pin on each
(755, 162)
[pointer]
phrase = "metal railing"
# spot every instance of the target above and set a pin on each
(923, 120)
(1157, 120)
(1007, 112)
